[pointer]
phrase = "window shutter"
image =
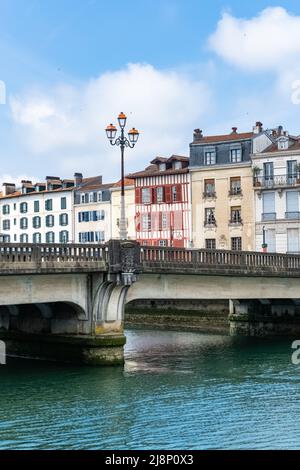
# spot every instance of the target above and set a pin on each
(293, 240)
(179, 192)
(292, 201)
(138, 195)
(269, 203)
(168, 194)
(153, 194)
(178, 220)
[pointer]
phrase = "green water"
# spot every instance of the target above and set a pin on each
(177, 391)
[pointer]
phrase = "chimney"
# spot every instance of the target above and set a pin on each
(198, 135)
(234, 130)
(280, 129)
(8, 188)
(78, 179)
(258, 128)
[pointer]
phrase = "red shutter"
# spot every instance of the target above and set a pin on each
(138, 195)
(168, 194)
(179, 192)
(153, 193)
(138, 222)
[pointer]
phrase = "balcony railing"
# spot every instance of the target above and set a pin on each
(268, 216)
(235, 192)
(236, 221)
(210, 223)
(276, 181)
(292, 215)
(208, 194)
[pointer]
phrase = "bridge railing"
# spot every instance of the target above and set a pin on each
(58, 253)
(154, 256)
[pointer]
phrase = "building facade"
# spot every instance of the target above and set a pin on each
(129, 209)
(38, 213)
(222, 191)
(92, 212)
(162, 203)
(276, 182)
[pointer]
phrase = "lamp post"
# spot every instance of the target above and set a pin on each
(122, 142)
(264, 244)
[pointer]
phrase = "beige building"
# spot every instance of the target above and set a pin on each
(222, 191)
(129, 209)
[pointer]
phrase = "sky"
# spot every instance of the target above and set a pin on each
(68, 67)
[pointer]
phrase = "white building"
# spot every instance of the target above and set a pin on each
(92, 212)
(40, 212)
(276, 181)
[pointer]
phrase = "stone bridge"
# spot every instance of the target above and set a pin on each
(66, 302)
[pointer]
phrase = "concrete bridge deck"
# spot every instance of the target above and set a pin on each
(74, 295)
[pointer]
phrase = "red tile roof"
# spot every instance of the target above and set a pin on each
(274, 148)
(210, 139)
(128, 181)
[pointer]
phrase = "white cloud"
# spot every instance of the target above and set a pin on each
(65, 125)
(268, 41)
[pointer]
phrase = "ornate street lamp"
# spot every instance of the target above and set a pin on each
(123, 142)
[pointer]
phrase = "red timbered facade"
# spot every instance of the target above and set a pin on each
(162, 202)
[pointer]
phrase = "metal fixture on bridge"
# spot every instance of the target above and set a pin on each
(264, 244)
(123, 142)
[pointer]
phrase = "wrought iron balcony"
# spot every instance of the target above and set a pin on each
(236, 221)
(211, 222)
(292, 215)
(277, 181)
(235, 192)
(209, 194)
(268, 216)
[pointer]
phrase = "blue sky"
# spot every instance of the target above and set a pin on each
(70, 66)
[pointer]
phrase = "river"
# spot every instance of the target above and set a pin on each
(177, 391)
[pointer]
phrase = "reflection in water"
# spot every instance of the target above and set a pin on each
(178, 390)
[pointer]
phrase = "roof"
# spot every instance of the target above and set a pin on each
(179, 158)
(211, 139)
(91, 187)
(127, 181)
(273, 148)
(34, 193)
(150, 171)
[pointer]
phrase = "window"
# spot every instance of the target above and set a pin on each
(49, 220)
(268, 171)
(235, 215)
(24, 223)
(5, 209)
(292, 171)
(63, 203)
(82, 198)
(210, 243)
(271, 240)
(50, 237)
(235, 155)
(269, 206)
(162, 167)
(36, 238)
(15, 206)
(146, 222)
(293, 240)
(177, 165)
(63, 219)
(164, 221)
(209, 188)
(235, 186)
(162, 243)
(36, 206)
(210, 216)
(23, 207)
(91, 197)
(6, 238)
(292, 205)
(236, 243)
(63, 236)
(210, 158)
(24, 238)
(174, 193)
(91, 237)
(36, 222)
(15, 237)
(146, 196)
(6, 224)
(48, 204)
(15, 221)
(160, 194)
(100, 197)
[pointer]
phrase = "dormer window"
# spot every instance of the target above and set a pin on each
(177, 165)
(283, 143)
(162, 167)
(210, 156)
